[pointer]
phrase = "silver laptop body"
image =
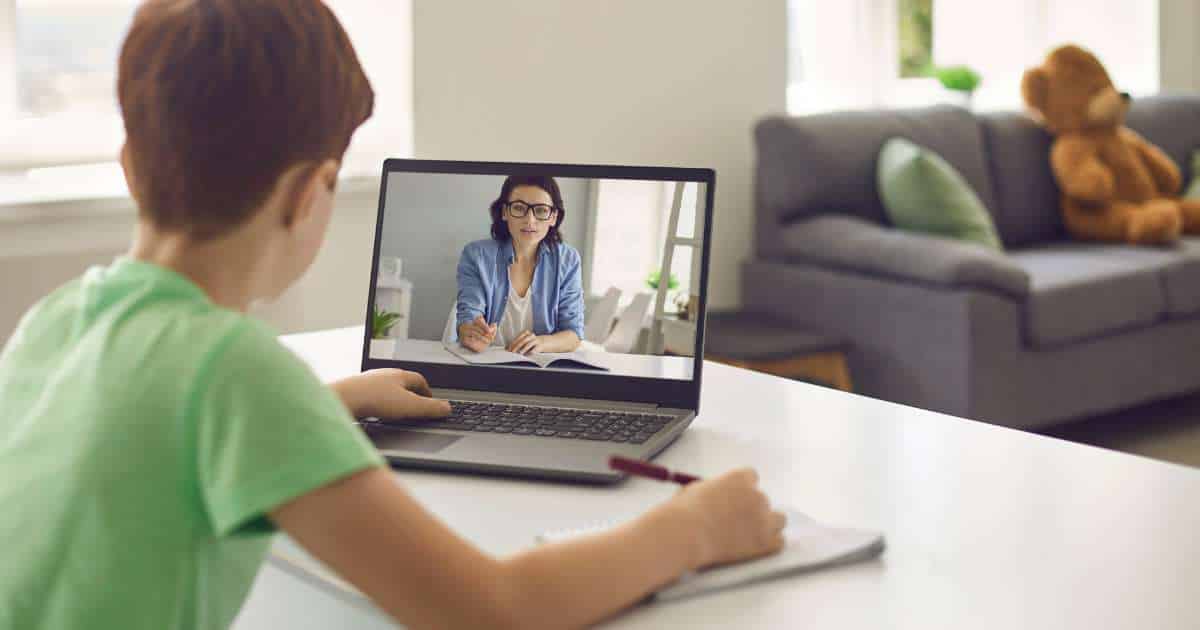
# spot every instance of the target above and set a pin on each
(548, 423)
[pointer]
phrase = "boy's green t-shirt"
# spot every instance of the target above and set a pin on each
(145, 433)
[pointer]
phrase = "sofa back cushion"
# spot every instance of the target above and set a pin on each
(1027, 199)
(1018, 153)
(825, 163)
(1173, 123)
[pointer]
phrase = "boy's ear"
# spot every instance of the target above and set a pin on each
(126, 168)
(301, 184)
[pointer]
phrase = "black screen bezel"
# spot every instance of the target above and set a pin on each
(674, 393)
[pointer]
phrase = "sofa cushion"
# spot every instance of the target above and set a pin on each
(850, 244)
(1027, 198)
(825, 163)
(922, 193)
(1178, 269)
(1182, 277)
(1081, 290)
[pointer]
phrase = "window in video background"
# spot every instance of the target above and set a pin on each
(618, 227)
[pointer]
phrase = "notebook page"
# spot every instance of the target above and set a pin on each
(810, 546)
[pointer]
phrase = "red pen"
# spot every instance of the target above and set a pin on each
(639, 468)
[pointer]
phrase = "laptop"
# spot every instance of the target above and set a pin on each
(618, 294)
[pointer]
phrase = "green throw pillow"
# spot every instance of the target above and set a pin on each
(923, 193)
(1193, 189)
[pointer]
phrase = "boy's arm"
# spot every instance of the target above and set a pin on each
(377, 537)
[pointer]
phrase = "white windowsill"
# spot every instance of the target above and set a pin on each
(62, 192)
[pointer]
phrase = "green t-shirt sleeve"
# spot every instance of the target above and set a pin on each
(266, 431)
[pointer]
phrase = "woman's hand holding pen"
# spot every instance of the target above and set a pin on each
(477, 335)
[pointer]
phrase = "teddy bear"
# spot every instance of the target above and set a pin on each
(1115, 185)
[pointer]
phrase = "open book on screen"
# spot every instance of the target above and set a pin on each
(496, 355)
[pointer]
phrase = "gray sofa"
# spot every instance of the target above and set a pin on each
(1049, 331)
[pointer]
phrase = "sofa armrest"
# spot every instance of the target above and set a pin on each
(848, 243)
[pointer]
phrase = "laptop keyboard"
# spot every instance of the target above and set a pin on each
(547, 422)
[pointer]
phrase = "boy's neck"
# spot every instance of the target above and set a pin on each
(229, 269)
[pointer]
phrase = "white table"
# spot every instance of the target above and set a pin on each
(618, 363)
(987, 527)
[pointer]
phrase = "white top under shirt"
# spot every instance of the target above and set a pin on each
(517, 318)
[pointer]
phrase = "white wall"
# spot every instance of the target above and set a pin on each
(661, 82)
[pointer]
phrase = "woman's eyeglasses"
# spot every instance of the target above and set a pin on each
(518, 210)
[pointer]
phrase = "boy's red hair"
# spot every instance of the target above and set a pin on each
(219, 97)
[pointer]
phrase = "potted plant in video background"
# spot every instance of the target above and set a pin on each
(671, 305)
(382, 346)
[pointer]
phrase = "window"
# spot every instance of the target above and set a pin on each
(57, 72)
(629, 236)
(864, 54)
(66, 55)
(58, 62)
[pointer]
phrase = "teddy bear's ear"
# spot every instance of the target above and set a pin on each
(1033, 88)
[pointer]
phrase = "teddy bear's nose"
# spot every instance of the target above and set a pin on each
(1126, 97)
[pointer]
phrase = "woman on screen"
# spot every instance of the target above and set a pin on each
(520, 289)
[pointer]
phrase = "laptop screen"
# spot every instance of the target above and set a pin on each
(541, 269)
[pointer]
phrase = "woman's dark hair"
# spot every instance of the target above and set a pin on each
(500, 228)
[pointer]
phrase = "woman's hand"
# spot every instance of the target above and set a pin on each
(527, 343)
(732, 517)
(477, 335)
(389, 393)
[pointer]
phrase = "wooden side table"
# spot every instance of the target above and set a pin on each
(763, 344)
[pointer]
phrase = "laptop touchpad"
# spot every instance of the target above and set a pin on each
(402, 440)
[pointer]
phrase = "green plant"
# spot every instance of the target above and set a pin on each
(652, 281)
(958, 78)
(382, 322)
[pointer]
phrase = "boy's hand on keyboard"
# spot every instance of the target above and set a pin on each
(733, 518)
(389, 393)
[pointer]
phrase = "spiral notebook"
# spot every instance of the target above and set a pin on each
(810, 546)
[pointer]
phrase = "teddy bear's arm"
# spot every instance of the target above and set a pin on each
(1079, 171)
(1162, 168)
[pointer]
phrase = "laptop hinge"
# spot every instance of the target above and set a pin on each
(534, 399)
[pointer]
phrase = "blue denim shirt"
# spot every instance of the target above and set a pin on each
(556, 293)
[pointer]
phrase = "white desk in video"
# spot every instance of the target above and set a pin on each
(618, 364)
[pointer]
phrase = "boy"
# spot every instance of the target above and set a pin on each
(152, 436)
